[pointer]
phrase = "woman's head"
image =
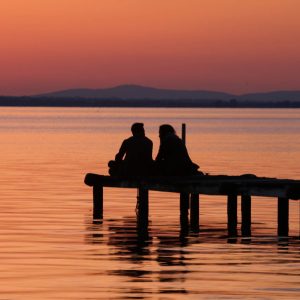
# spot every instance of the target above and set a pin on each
(166, 129)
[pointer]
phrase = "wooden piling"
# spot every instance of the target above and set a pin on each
(246, 215)
(194, 211)
(97, 201)
(184, 211)
(245, 185)
(232, 215)
(283, 217)
(143, 207)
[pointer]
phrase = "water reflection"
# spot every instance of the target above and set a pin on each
(94, 232)
(127, 242)
(52, 249)
(139, 248)
(164, 262)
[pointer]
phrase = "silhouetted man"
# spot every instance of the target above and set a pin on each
(173, 158)
(135, 155)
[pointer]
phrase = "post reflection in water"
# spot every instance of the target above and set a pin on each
(148, 255)
(51, 248)
(128, 242)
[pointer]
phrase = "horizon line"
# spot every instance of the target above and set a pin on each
(151, 87)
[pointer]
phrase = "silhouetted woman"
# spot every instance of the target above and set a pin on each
(173, 158)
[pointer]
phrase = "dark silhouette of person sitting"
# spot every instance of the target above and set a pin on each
(135, 155)
(173, 158)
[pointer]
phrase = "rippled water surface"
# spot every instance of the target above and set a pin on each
(51, 248)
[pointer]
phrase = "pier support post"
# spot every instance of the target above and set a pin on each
(283, 217)
(246, 215)
(143, 209)
(184, 212)
(97, 201)
(194, 211)
(232, 215)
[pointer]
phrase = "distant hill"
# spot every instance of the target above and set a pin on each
(272, 96)
(142, 92)
(141, 96)
(137, 92)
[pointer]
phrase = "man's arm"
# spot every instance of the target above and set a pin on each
(122, 151)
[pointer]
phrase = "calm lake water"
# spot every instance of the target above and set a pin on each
(50, 248)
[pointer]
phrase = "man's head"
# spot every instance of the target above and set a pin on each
(137, 129)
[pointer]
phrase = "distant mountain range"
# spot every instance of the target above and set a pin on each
(141, 96)
(274, 96)
(143, 92)
(137, 92)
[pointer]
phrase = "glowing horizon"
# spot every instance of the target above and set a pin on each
(232, 46)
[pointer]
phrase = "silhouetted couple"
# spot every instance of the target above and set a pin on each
(135, 155)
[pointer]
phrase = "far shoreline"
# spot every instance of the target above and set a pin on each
(27, 101)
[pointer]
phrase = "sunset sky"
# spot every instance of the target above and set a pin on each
(226, 45)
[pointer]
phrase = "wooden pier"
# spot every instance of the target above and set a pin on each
(190, 189)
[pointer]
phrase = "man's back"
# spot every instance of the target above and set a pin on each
(137, 153)
(137, 149)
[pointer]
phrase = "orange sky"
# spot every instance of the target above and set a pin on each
(227, 45)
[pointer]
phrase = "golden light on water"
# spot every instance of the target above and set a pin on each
(52, 249)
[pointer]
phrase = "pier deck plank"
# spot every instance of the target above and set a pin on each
(206, 184)
(191, 187)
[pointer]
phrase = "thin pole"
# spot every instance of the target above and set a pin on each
(183, 132)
